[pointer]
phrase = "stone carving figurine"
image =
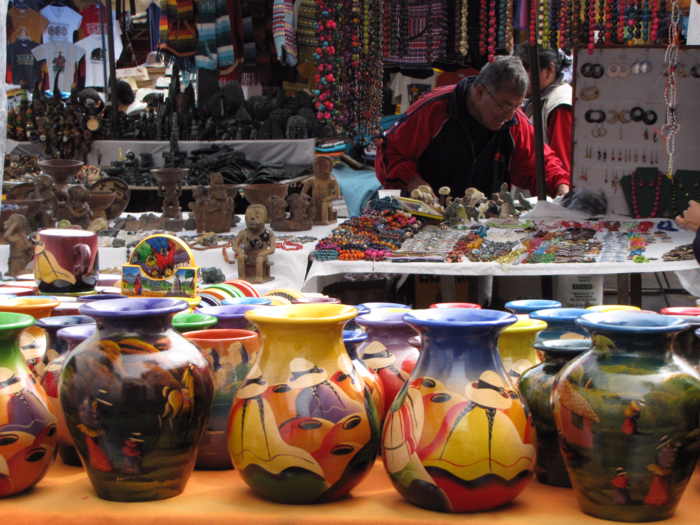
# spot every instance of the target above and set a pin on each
(198, 207)
(21, 248)
(302, 211)
(77, 210)
(325, 190)
(171, 199)
(43, 190)
(219, 208)
(253, 246)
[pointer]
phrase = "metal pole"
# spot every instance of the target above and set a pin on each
(112, 64)
(104, 48)
(537, 114)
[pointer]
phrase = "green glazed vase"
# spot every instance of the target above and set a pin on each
(627, 413)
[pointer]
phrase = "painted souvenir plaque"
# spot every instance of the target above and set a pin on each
(303, 428)
(160, 266)
(458, 437)
(136, 399)
(627, 413)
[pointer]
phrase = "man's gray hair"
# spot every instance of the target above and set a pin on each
(506, 72)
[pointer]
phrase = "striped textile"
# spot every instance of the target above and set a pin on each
(417, 47)
(307, 40)
(215, 46)
(283, 32)
(178, 35)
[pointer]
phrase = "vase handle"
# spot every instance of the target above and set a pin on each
(83, 256)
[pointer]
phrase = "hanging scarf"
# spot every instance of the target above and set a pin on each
(215, 46)
(307, 40)
(178, 36)
(256, 64)
(283, 32)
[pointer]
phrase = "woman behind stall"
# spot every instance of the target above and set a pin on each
(556, 97)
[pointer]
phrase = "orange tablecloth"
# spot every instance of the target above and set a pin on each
(65, 496)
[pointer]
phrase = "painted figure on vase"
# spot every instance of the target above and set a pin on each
(632, 415)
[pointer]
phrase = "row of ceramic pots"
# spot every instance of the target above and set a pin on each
(302, 425)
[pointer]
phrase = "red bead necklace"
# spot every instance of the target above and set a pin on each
(482, 28)
(656, 196)
(591, 28)
(492, 30)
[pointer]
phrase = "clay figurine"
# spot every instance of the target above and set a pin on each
(77, 210)
(302, 211)
(325, 190)
(253, 246)
(42, 190)
(171, 202)
(219, 208)
(21, 248)
(508, 206)
(198, 207)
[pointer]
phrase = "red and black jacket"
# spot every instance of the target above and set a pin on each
(431, 141)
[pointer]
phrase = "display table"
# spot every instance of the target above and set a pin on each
(65, 496)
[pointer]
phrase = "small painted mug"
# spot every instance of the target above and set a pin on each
(66, 261)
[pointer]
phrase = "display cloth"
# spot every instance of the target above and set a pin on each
(294, 152)
(357, 186)
(65, 496)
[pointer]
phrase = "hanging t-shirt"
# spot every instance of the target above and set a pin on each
(63, 22)
(405, 95)
(94, 70)
(60, 56)
(23, 64)
(92, 24)
(27, 24)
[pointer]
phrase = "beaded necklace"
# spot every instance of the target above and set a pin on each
(611, 20)
(482, 27)
(567, 24)
(463, 41)
(654, 21)
(601, 21)
(562, 24)
(328, 105)
(502, 24)
(544, 11)
(657, 194)
(533, 25)
(576, 23)
(540, 25)
(621, 22)
(394, 17)
(554, 23)
(646, 17)
(509, 25)
(586, 24)
(591, 27)
(492, 30)
(638, 20)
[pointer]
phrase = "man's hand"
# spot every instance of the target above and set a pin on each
(562, 189)
(415, 182)
(691, 217)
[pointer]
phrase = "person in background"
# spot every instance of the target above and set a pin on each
(125, 95)
(556, 97)
(691, 220)
(472, 134)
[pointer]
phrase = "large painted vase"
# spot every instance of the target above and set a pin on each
(136, 397)
(387, 351)
(231, 354)
(561, 323)
(458, 437)
(352, 339)
(627, 412)
(28, 425)
(515, 346)
(535, 385)
(303, 427)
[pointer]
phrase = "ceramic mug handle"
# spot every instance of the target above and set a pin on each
(83, 255)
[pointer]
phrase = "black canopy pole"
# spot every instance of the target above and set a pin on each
(104, 48)
(112, 64)
(537, 112)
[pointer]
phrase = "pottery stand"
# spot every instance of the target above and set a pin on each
(60, 170)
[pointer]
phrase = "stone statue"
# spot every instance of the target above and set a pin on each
(77, 210)
(21, 248)
(302, 211)
(325, 190)
(43, 190)
(198, 207)
(219, 209)
(253, 246)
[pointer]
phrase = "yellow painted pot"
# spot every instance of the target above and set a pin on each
(37, 307)
(303, 427)
(515, 345)
(612, 307)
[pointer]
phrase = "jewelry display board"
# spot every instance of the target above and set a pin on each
(619, 110)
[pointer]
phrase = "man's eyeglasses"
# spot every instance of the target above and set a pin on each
(505, 108)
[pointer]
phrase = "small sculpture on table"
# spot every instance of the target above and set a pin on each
(42, 190)
(218, 213)
(253, 246)
(199, 206)
(325, 190)
(77, 210)
(302, 212)
(21, 248)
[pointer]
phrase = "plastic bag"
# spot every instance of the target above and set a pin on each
(586, 201)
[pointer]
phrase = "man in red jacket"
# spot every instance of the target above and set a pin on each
(473, 134)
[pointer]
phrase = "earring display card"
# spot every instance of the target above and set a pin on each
(630, 93)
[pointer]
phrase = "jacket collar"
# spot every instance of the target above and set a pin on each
(458, 103)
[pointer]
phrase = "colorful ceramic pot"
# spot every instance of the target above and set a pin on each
(230, 317)
(471, 306)
(535, 385)
(186, 322)
(262, 301)
(686, 344)
(376, 306)
(681, 310)
(351, 340)
(316, 300)
(387, 352)
(612, 308)
(49, 370)
(561, 323)
(458, 438)
(74, 335)
(627, 413)
(515, 346)
(231, 354)
(66, 309)
(100, 297)
(352, 326)
(28, 425)
(66, 261)
(6, 296)
(527, 306)
(136, 397)
(295, 434)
